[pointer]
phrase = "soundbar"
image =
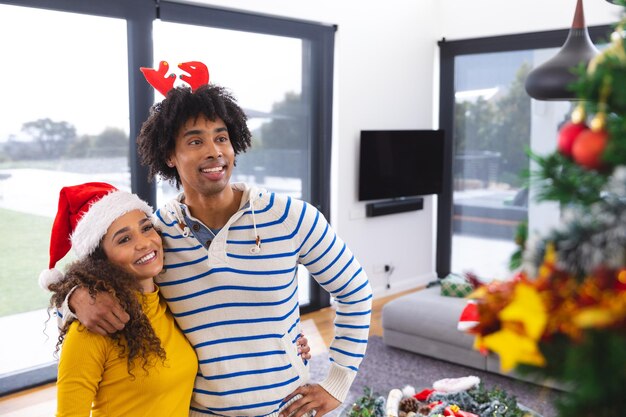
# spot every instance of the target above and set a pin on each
(394, 206)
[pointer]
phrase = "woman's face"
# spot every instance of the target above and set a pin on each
(132, 243)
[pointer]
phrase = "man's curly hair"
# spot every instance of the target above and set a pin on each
(157, 138)
(137, 340)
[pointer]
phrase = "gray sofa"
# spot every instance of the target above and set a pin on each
(425, 322)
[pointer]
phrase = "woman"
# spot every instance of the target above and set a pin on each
(149, 367)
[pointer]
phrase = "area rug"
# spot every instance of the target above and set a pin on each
(385, 368)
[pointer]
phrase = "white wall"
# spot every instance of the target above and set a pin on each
(479, 18)
(386, 78)
(384, 75)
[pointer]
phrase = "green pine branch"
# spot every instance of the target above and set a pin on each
(558, 178)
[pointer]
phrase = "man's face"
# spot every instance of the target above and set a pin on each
(203, 156)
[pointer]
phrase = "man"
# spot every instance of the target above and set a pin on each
(230, 274)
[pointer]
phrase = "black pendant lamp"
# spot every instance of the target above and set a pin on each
(550, 80)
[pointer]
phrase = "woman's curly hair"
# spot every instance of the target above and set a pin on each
(157, 138)
(137, 340)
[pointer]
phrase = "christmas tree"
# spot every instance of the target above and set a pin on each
(563, 317)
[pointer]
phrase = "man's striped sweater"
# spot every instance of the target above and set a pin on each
(239, 306)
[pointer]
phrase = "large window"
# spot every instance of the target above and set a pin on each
(271, 96)
(74, 101)
(65, 121)
(493, 122)
(278, 113)
(274, 68)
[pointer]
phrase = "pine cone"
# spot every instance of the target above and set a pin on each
(409, 404)
(424, 410)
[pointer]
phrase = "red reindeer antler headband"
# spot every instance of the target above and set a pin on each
(198, 75)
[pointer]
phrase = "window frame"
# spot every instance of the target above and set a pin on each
(448, 51)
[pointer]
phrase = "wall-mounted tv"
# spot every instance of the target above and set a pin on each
(400, 163)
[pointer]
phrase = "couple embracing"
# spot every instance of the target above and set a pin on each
(193, 309)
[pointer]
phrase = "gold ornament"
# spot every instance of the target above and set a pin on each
(598, 123)
(579, 115)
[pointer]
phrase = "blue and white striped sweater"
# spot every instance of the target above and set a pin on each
(240, 310)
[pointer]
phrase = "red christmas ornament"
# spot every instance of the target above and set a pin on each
(588, 148)
(567, 135)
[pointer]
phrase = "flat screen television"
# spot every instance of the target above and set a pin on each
(400, 163)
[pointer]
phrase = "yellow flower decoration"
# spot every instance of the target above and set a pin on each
(523, 322)
(527, 308)
(513, 349)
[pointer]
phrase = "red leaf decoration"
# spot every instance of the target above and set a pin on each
(198, 74)
(159, 78)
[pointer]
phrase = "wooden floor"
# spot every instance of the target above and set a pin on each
(317, 326)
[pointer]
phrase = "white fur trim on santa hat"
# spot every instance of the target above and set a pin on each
(101, 214)
(49, 277)
(452, 385)
(408, 391)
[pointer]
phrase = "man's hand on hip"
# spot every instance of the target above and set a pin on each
(314, 397)
(101, 314)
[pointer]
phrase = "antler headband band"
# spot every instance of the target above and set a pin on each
(158, 78)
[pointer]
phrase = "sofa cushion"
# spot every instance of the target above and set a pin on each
(455, 286)
(429, 315)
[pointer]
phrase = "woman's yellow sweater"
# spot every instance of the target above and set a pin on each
(93, 379)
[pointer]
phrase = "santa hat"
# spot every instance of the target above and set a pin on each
(84, 215)
(469, 317)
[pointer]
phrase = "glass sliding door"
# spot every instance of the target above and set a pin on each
(64, 121)
(493, 123)
(271, 96)
(491, 134)
(74, 101)
(270, 71)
